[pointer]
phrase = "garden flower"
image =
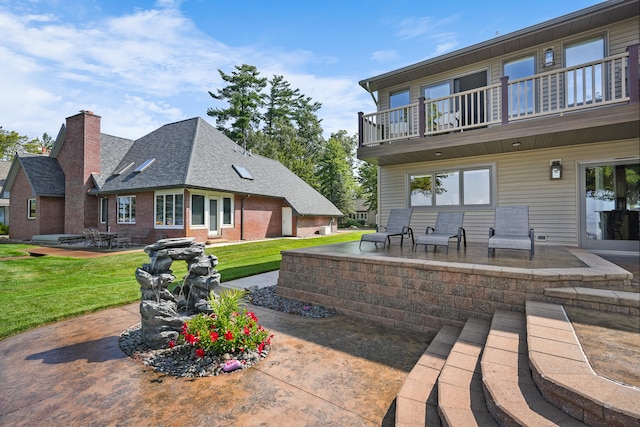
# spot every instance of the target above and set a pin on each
(172, 344)
(228, 336)
(200, 353)
(246, 331)
(252, 316)
(214, 336)
(190, 338)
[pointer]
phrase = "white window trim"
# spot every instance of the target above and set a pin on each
(231, 207)
(35, 213)
(118, 210)
(174, 192)
(433, 171)
(220, 198)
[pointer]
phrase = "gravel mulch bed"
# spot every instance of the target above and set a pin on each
(181, 360)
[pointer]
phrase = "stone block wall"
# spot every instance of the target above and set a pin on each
(421, 295)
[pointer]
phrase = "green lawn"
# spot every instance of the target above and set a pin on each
(38, 290)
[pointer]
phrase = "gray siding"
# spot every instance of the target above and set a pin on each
(522, 178)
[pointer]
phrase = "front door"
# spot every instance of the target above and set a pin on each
(610, 199)
(213, 217)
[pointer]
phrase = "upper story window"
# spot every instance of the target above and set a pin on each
(460, 187)
(169, 210)
(31, 209)
(521, 94)
(126, 209)
(584, 84)
(438, 112)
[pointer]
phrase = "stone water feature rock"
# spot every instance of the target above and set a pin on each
(163, 312)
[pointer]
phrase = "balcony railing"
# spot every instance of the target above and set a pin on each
(588, 85)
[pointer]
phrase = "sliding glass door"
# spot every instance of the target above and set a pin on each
(611, 206)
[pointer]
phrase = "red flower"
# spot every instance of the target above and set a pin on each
(228, 336)
(214, 336)
(185, 327)
(200, 353)
(191, 339)
(261, 347)
(246, 331)
(252, 315)
(172, 344)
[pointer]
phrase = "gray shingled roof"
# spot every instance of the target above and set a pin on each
(44, 174)
(194, 154)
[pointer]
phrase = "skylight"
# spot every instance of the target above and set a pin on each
(242, 172)
(124, 169)
(145, 165)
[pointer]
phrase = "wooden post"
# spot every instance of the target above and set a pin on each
(360, 129)
(422, 120)
(504, 81)
(634, 78)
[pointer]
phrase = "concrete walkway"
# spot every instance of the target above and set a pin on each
(320, 372)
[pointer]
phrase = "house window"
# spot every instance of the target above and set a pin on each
(31, 206)
(169, 210)
(397, 100)
(126, 209)
(520, 93)
(438, 116)
(104, 204)
(226, 211)
(197, 209)
(584, 84)
(463, 187)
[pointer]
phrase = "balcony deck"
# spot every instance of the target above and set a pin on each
(488, 120)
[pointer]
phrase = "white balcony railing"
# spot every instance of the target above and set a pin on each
(587, 85)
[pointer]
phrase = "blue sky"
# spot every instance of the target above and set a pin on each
(143, 63)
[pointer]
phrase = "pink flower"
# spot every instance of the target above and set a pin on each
(200, 353)
(252, 316)
(246, 331)
(261, 347)
(185, 328)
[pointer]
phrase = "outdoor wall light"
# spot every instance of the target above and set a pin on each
(438, 153)
(516, 144)
(556, 169)
(548, 57)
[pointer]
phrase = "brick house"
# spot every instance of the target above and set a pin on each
(185, 179)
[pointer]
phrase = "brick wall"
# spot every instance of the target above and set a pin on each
(310, 225)
(22, 228)
(420, 295)
(51, 215)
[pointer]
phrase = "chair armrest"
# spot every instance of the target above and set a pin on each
(433, 230)
(492, 231)
(380, 228)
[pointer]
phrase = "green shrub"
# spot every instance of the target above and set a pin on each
(4, 229)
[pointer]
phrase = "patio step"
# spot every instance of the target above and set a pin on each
(564, 376)
(460, 396)
(510, 393)
(606, 300)
(417, 400)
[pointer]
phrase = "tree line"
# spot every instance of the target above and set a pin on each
(269, 117)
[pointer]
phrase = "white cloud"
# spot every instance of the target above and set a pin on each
(139, 71)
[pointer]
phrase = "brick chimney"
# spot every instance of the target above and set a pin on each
(79, 157)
